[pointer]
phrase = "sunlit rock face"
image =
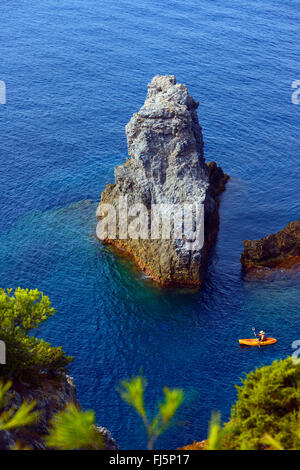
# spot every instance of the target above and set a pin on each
(166, 167)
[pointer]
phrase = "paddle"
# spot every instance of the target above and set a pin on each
(253, 329)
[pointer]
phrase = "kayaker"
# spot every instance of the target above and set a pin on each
(262, 336)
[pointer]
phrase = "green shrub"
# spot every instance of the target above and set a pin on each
(267, 409)
(27, 358)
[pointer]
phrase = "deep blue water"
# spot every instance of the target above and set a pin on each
(75, 72)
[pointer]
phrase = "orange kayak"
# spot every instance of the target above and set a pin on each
(255, 342)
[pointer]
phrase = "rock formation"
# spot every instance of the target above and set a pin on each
(200, 445)
(166, 167)
(278, 250)
(52, 395)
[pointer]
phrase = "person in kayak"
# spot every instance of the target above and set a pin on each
(262, 336)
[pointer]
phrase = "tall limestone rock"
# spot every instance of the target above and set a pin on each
(165, 167)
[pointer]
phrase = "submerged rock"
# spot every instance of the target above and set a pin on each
(278, 250)
(165, 168)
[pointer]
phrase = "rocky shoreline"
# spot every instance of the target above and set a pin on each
(166, 166)
(52, 395)
(279, 250)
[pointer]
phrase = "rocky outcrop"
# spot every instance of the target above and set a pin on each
(217, 179)
(51, 395)
(278, 250)
(166, 167)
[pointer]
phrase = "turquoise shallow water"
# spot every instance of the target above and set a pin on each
(75, 72)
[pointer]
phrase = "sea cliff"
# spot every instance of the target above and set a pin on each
(52, 396)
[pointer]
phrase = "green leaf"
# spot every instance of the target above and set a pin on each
(270, 441)
(24, 416)
(12, 418)
(214, 432)
(132, 391)
(74, 429)
(168, 408)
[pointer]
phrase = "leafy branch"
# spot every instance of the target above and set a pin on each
(132, 391)
(11, 418)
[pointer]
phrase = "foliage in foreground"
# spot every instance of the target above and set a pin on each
(265, 416)
(267, 412)
(132, 391)
(69, 429)
(74, 429)
(27, 358)
(11, 418)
